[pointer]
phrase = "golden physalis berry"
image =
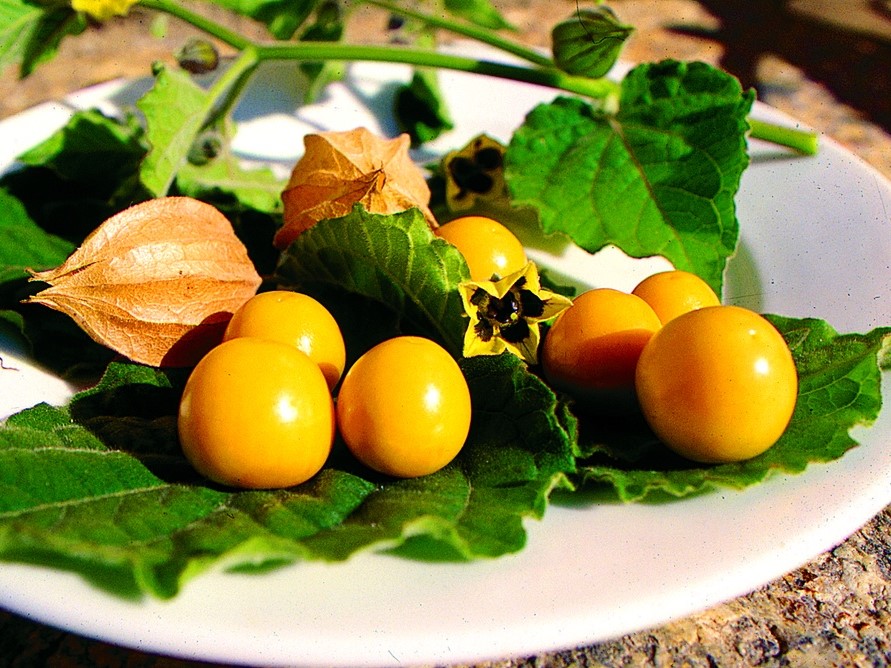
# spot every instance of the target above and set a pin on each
(102, 10)
(505, 314)
(490, 249)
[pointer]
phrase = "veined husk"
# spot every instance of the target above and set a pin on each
(156, 283)
(341, 169)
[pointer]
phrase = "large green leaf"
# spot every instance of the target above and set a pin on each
(658, 177)
(67, 185)
(23, 244)
(101, 487)
(58, 193)
(92, 150)
(393, 260)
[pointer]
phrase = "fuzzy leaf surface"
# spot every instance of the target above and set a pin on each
(658, 177)
(101, 487)
(393, 260)
(175, 108)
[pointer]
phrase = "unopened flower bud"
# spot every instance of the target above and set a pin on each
(588, 44)
(198, 56)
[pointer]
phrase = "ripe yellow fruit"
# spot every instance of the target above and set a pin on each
(591, 351)
(672, 293)
(488, 247)
(717, 384)
(256, 414)
(295, 319)
(404, 407)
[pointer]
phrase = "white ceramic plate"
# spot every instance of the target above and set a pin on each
(816, 241)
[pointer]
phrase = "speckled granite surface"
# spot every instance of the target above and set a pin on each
(828, 63)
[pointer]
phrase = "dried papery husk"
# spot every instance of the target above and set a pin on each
(156, 283)
(341, 169)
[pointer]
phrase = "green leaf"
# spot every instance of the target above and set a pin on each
(92, 149)
(329, 26)
(56, 25)
(18, 23)
(23, 244)
(62, 189)
(588, 43)
(281, 17)
(658, 177)
(518, 451)
(81, 175)
(100, 487)
(103, 488)
(393, 260)
(258, 189)
(30, 33)
(176, 109)
(839, 388)
(420, 109)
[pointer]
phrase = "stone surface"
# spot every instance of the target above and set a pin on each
(829, 68)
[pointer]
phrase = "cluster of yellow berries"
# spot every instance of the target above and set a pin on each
(715, 383)
(258, 410)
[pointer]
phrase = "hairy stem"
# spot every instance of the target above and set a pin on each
(226, 90)
(482, 35)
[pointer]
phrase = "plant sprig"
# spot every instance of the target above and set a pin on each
(541, 71)
(472, 22)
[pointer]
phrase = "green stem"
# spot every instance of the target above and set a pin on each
(545, 75)
(318, 51)
(226, 90)
(552, 78)
(203, 23)
(802, 141)
(482, 35)
(158, 174)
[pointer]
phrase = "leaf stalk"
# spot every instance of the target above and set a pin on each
(803, 141)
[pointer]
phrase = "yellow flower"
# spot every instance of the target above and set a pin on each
(474, 175)
(102, 10)
(505, 314)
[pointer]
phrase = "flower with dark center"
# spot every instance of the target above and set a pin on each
(505, 314)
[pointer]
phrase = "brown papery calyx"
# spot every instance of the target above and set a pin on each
(341, 169)
(156, 283)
